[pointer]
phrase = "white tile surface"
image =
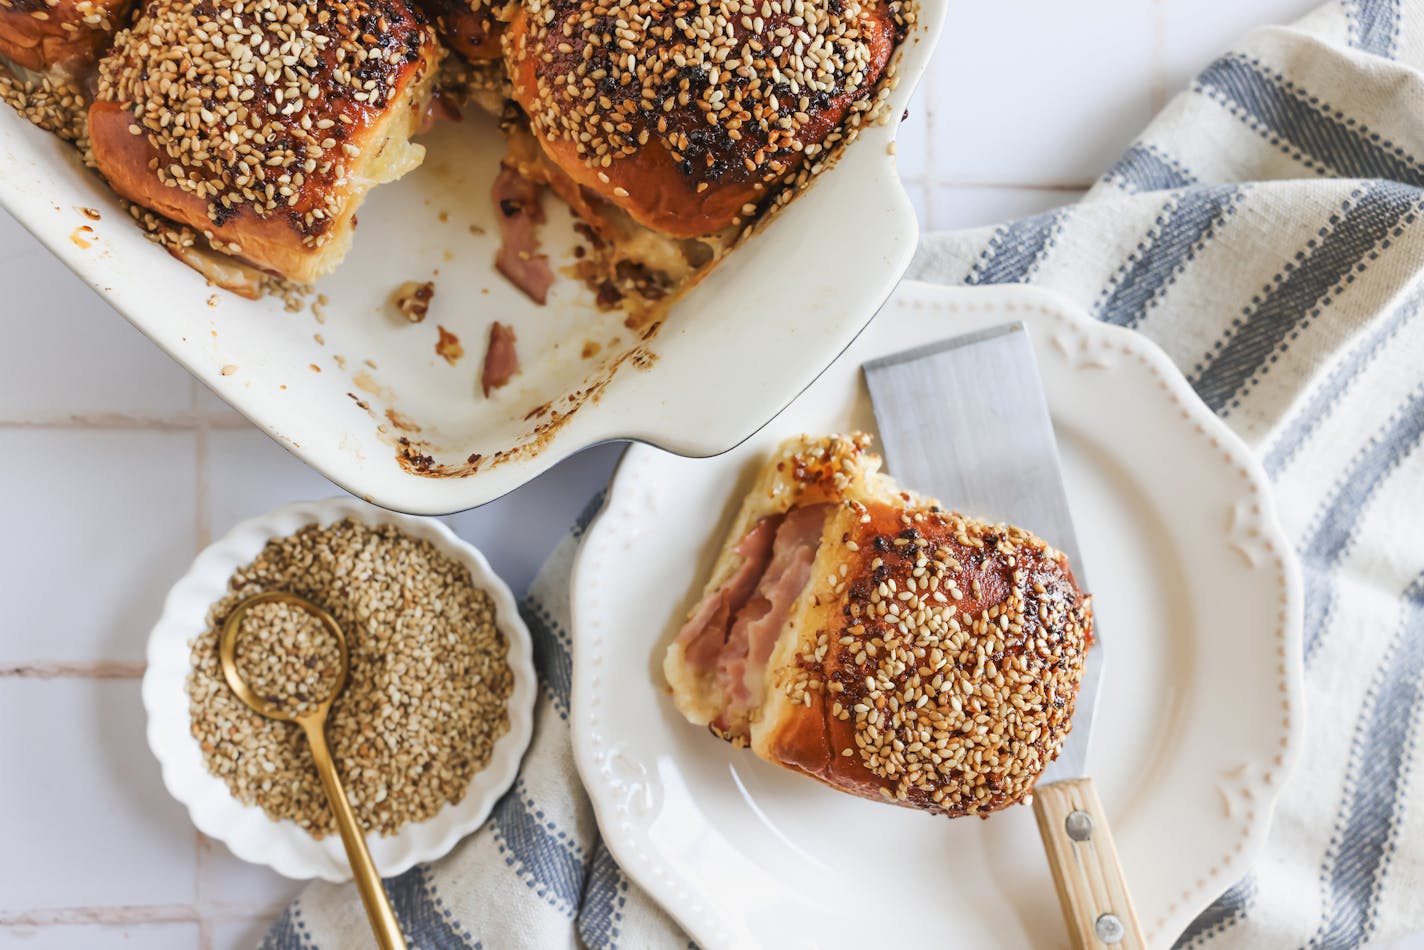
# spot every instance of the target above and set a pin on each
(520, 530)
(227, 884)
(80, 356)
(239, 934)
(104, 521)
(1027, 103)
(1194, 32)
(246, 474)
(953, 207)
(1039, 91)
(180, 935)
(84, 817)
(207, 404)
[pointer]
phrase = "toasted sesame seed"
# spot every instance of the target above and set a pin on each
(956, 706)
(720, 87)
(425, 701)
(188, 73)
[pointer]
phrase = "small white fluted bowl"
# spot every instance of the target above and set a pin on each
(247, 831)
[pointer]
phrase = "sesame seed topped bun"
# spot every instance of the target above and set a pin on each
(689, 115)
(263, 124)
(887, 647)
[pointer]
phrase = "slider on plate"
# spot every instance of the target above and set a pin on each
(263, 125)
(868, 638)
(63, 36)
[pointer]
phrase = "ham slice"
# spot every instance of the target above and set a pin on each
(734, 630)
(517, 200)
(705, 633)
(501, 359)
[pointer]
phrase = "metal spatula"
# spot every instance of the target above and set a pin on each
(966, 422)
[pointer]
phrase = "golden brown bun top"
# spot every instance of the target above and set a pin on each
(253, 105)
(684, 112)
(952, 670)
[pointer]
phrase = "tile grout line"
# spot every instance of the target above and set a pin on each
(97, 670)
(128, 914)
(202, 429)
(1158, 92)
(131, 914)
(202, 530)
(125, 421)
(205, 940)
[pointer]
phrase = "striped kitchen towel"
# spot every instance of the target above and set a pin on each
(1265, 232)
(536, 874)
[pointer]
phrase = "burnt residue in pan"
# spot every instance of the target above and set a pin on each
(423, 456)
(418, 456)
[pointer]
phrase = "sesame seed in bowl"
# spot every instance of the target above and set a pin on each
(427, 731)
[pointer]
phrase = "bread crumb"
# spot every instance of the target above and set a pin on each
(412, 299)
(449, 346)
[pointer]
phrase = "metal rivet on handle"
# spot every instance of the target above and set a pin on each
(1079, 825)
(1109, 929)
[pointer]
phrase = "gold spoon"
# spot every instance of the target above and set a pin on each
(313, 723)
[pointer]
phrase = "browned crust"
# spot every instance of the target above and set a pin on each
(67, 35)
(627, 265)
(532, 163)
(706, 187)
(995, 635)
(272, 244)
(813, 725)
(285, 242)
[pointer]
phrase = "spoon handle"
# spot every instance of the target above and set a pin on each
(363, 870)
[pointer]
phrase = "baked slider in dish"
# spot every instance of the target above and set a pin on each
(870, 639)
(263, 124)
(63, 36)
(670, 126)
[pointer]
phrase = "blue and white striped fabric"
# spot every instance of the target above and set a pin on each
(1265, 232)
(536, 874)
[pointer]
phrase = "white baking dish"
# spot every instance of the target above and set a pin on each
(731, 354)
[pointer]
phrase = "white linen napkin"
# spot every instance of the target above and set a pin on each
(1265, 232)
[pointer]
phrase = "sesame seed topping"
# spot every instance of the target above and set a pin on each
(246, 102)
(951, 706)
(733, 90)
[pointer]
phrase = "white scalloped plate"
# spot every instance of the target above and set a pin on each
(310, 386)
(1199, 723)
(246, 830)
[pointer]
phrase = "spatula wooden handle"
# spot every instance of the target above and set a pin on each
(1096, 904)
